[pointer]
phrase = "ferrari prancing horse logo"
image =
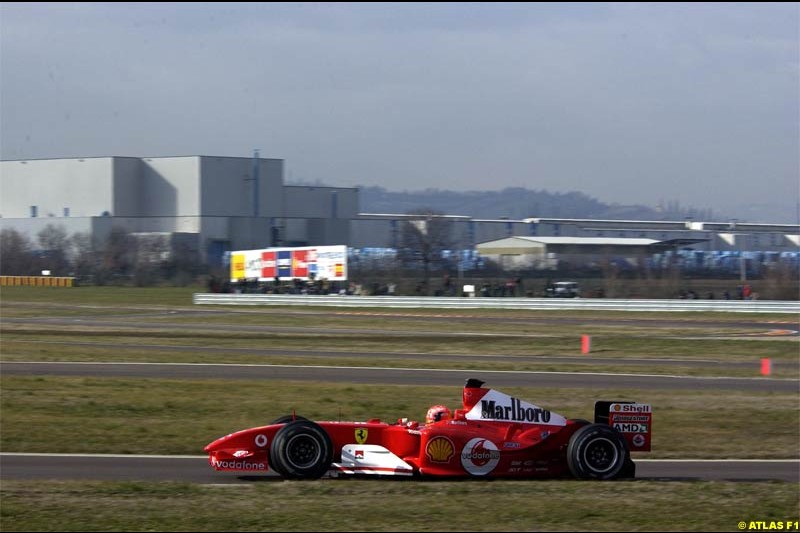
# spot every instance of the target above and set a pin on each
(361, 435)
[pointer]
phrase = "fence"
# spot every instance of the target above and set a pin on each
(594, 304)
(35, 281)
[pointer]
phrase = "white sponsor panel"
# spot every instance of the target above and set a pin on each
(302, 262)
(331, 262)
(496, 406)
(629, 408)
(480, 456)
(371, 459)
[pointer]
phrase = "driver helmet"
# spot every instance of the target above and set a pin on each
(437, 413)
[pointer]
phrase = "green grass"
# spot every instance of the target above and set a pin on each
(160, 416)
(79, 343)
(132, 351)
(376, 505)
(164, 296)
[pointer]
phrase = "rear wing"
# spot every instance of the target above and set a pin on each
(633, 420)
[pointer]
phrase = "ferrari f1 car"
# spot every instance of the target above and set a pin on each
(492, 435)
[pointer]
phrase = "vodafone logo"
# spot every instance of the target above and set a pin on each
(237, 465)
(480, 456)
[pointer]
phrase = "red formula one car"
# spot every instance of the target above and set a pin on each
(492, 435)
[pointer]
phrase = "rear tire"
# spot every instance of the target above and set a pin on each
(597, 451)
(301, 450)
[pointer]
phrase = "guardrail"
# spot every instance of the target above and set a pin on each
(436, 302)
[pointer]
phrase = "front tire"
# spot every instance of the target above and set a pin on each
(301, 450)
(597, 451)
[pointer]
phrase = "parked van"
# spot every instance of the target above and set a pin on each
(565, 289)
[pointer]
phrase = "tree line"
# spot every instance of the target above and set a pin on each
(123, 257)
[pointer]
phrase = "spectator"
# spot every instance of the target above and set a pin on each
(746, 292)
(511, 288)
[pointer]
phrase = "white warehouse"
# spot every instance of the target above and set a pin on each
(220, 203)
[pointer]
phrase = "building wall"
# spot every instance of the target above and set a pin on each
(227, 186)
(272, 189)
(328, 231)
(83, 186)
(367, 233)
(170, 186)
(248, 233)
(127, 191)
(320, 202)
(294, 232)
(490, 230)
(173, 194)
(159, 224)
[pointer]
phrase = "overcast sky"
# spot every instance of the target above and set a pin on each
(628, 103)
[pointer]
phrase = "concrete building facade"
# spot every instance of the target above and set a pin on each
(382, 230)
(227, 203)
(233, 203)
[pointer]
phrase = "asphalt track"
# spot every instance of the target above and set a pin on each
(195, 469)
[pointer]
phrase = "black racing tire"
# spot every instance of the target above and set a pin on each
(301, 450)
(628, 471)
(287, 418)
(597, 451)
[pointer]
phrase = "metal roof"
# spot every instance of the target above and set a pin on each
(602, 241)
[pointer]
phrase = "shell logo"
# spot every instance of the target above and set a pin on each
(440, 450)
(617, 407)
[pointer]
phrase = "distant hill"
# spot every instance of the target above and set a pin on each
(518, 203)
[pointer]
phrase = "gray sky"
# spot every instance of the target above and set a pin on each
(628, 103)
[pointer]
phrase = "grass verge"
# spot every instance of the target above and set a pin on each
(376, 505)
(160, 416)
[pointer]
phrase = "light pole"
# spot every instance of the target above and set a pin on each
(742, 262)
(255, 182)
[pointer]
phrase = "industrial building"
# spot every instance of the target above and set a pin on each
(518, 253)
(217, 204)
(382, 230)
